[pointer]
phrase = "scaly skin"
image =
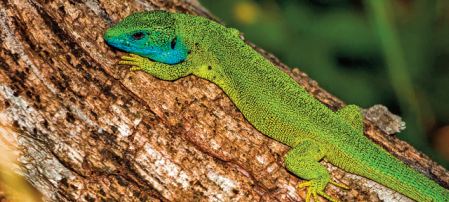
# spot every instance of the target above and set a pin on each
(169, 46)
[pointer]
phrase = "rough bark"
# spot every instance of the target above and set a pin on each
(87, 129)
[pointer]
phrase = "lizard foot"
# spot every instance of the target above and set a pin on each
(315, 188)
(135, 61)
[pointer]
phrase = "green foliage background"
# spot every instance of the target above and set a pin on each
(366, 52)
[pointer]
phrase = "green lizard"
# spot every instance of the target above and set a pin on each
(170, 46)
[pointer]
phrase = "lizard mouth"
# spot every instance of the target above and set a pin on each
(115, 41)
(118, 43)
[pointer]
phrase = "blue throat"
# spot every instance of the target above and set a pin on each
(172, 56)
(173, 53)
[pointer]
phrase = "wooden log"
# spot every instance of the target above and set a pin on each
(87, 129)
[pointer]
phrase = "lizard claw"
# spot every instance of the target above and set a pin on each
(339, 185)
(314, 189)
(133, 60)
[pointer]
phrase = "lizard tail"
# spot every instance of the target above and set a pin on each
(395, 174)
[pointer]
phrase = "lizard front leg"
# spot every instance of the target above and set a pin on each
(302, 160)
(157, 69)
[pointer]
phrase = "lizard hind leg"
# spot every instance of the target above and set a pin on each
(302, 160)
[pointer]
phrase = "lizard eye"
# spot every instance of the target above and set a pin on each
(138, 35)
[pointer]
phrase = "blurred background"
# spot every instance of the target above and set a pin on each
(394, 53)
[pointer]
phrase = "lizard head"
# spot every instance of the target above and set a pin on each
(150, 34)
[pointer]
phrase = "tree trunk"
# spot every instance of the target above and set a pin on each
(87, 129)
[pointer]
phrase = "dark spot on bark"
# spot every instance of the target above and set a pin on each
(16, 93)
(17, 88)
(3, 65)
(106, 89)
(34, 132)
(64, 182)
(94, 135)
(37, 98)
(122, 181)
(15, 56)
(108, 154)
(95, 80)
(74, 2)
(20, 76)
(37, 105)
(79, 67)
(89, 198)
(64, 77)
(152, 119)
(85, 63)
(235, 191)
(15, 124)
(73, 186)
(69, 117)
(60, 85)
(6, 103)
(102, 192)
(107, 137)
(61, 9)
(46, 55)
(88, 76)
(68, 58)
(94, 114)
(147, 126)
(45, 123)
(198, 183)
(136, 193)
(114, 129)
(29, 94)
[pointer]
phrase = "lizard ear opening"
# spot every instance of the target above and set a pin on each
(173, 43)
